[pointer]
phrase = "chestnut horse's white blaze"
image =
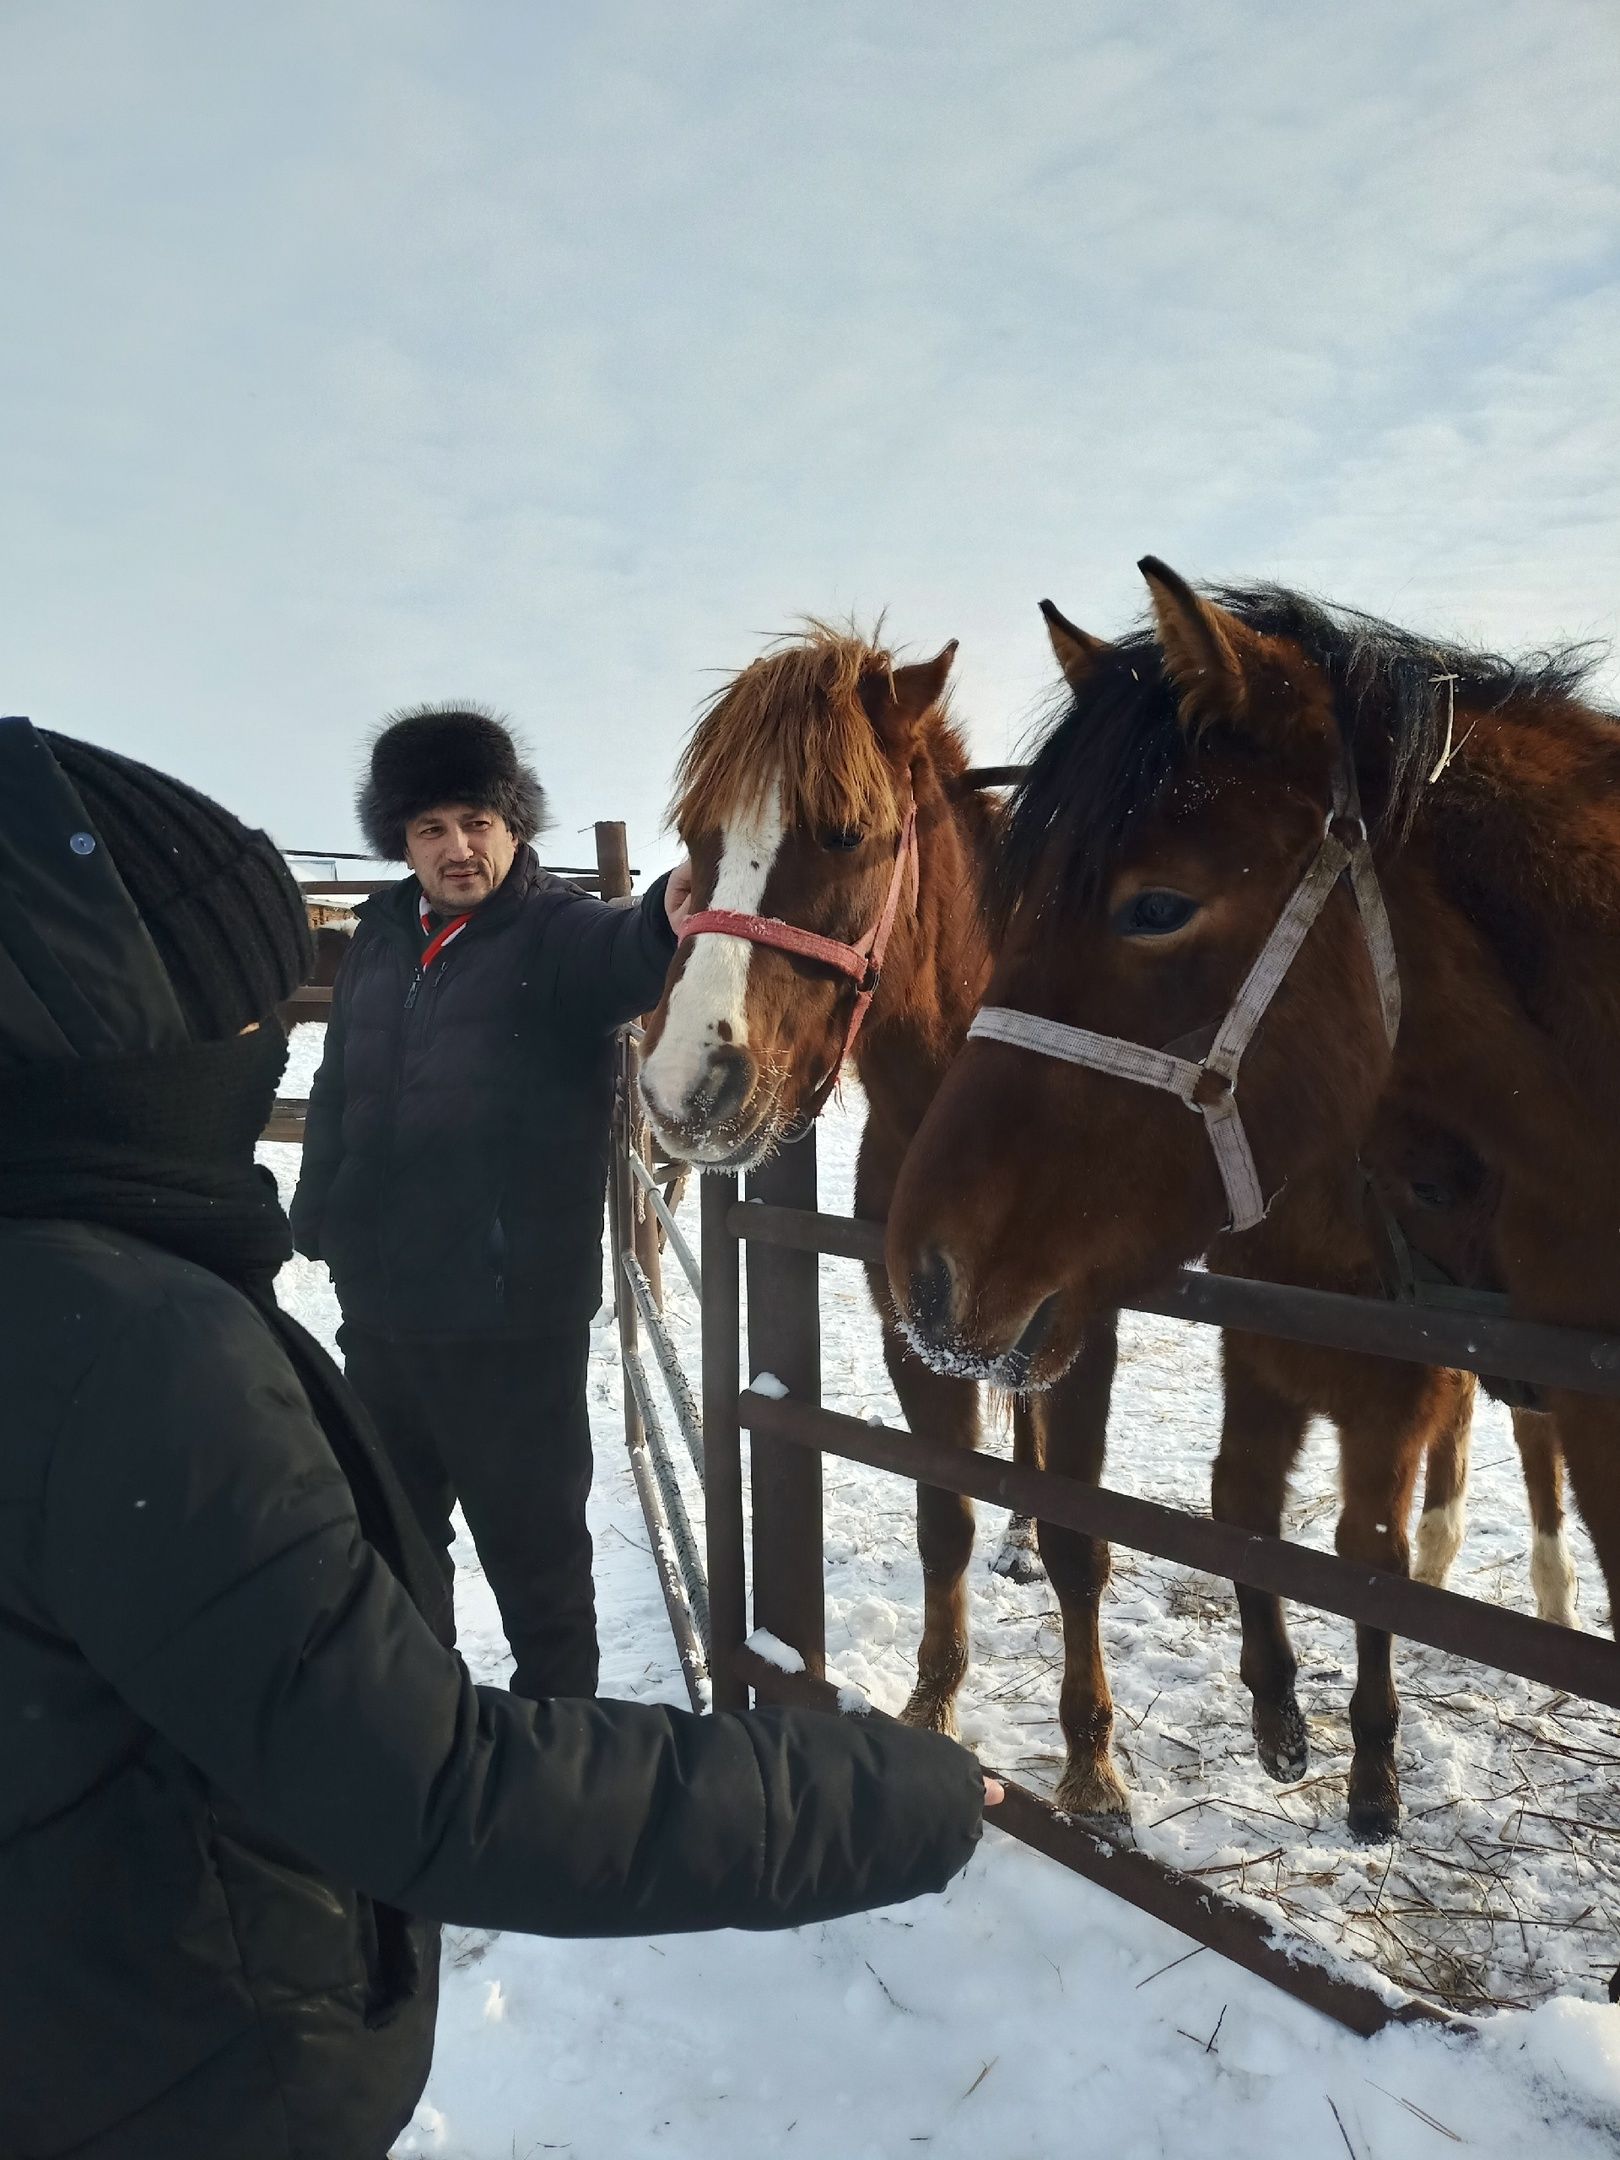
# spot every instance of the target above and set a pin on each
(712, 989)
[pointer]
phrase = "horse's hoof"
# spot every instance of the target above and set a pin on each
(1093, 1789)
(929, 1711)
(1018, 1556)
(1279, 1738)
(1375, 1822)
(1018, 1563)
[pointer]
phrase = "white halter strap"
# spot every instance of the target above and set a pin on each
(1210, 1087)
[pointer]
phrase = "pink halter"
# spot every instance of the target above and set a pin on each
(862, 962)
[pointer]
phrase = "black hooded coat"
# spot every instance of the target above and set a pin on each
(241, 1779)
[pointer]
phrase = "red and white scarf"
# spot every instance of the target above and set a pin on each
(438, 939)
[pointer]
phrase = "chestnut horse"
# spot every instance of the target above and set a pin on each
(822, 784)
(1185, 880)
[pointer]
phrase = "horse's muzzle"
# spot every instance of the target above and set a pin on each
(723, 1117)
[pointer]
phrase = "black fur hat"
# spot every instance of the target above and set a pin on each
(436, 754)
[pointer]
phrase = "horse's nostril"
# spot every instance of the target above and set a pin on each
(1033, 1340)
(931, 1297)
(727, 1082)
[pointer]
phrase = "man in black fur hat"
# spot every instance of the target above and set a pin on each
(455, 1164)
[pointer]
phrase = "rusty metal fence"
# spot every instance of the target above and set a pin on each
(776, 1235)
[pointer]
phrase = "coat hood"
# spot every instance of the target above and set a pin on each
(79, 974)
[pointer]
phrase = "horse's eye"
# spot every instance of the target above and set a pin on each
(1154, 914)
(843, 836)
(1431, 1196)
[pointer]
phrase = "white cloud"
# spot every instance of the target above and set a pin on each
(554, 355)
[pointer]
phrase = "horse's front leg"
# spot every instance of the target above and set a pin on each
(1588, 1429)
(1400, 1413)
(1018, 1555)
(1445, 1486)
(1073, 1418)
(1552, 1571)
(947, 1411)
(1262, 1432)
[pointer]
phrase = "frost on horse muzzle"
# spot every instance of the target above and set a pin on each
(1209, 1086)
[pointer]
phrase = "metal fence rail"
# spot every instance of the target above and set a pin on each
(671, 1228)
(1510, 1642)
(1239, 1933)
(1420, 1335)
(636, 1211)
(687, 1415)
(782, 1232)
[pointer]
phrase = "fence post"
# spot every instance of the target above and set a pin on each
(784, 1338)
(722, 1442)
(613, 868)
(638, 1227)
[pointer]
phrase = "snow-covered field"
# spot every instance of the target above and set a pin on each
(1026, 2013)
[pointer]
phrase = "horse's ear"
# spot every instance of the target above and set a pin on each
(1204, 647)
(897, 698)
(1077, 651)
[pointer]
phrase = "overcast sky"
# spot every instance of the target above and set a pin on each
(555, 354)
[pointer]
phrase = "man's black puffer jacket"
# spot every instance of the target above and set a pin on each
(229, 1738)
(456, 1148)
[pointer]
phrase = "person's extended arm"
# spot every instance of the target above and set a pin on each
(611, 961)
(203, 1552)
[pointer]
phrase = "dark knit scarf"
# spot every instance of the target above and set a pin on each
(160, 1147)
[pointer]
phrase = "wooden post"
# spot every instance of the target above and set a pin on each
(722, 1442)
(613, 868)
(638, 1227)
(784, 1338)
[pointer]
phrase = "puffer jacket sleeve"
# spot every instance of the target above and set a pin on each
(610, 962)
(323, 1122)
(201, 1548)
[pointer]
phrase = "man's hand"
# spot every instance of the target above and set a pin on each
(678, 895)
(994, 1792)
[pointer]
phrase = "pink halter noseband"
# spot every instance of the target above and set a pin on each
(861, 962)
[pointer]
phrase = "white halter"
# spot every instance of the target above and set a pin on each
(1210, 1087)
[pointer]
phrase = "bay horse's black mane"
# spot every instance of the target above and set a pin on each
(1109, 748)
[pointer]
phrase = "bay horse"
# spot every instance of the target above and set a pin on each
(1383, 874)
(823, 788)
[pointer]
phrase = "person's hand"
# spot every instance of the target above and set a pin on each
(678, 895)
(994, 1792)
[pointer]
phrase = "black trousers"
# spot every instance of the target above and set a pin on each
(504, 1428)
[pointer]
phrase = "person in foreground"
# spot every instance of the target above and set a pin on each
(245, 1778)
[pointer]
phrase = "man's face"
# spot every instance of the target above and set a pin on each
(459, 855)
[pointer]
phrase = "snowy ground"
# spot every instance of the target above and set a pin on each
(1025, 2012)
